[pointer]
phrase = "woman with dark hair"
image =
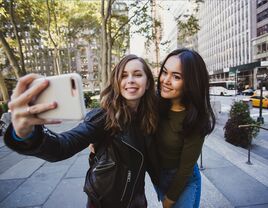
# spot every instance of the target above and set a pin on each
(127, 116)
(186, 117)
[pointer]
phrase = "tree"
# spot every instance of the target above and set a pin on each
(10, 55)
(189, 27)
(115, 32)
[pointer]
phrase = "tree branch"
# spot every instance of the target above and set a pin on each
(11, 11)
(10, 55)
(48, 29)
(123, 25)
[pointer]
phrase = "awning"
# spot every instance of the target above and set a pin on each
(245, 67)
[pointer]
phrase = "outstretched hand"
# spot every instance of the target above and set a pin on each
(23, 114)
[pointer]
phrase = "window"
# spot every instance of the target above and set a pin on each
(261, 2)
(262, 15)
(262, 30)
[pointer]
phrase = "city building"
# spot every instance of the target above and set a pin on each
(232, 40)
(259, 19)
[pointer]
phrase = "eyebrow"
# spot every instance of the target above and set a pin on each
(136, 70)
(173, 72)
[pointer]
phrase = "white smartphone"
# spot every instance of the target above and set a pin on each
(67, 91)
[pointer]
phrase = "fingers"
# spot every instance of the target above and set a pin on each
(91, 148)
(23, 83)
(28, 95)
(39, 121)
(38, 108)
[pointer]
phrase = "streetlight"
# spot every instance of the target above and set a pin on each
(260, 119)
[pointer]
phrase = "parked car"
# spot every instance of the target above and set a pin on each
(248, 92)
(220, 91)
(255, 100)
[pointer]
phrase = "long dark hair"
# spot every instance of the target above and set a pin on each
(119, 115)
(195, 96)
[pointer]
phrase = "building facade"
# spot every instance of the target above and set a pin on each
(233, 40)
(224, 39)
(260, 37)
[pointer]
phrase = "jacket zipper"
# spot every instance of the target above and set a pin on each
(138, 171)
(127, 181)
(104, 167)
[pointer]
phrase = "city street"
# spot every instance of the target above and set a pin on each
(227, 181)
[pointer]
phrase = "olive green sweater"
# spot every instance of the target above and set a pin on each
(177, 151)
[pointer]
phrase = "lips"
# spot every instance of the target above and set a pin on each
(131, 89)
(165, 88)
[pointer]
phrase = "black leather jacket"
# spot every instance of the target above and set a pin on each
(54, 147)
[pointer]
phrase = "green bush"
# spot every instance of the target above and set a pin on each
(89, 102)
(94, 103)
(240, 115)
(3, 108)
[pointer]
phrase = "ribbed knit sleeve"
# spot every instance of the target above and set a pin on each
(190, 152)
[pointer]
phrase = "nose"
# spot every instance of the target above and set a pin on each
(166, 79)
(130, 79)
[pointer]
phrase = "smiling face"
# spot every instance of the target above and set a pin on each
(171, 80)
(133, 83)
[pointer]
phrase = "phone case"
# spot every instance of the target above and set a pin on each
(67, 91)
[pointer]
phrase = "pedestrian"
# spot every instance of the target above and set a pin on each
(127, 115)
(186, 117)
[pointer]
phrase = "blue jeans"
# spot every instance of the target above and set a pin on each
(190, 197)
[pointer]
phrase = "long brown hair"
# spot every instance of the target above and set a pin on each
(195, 96)
(118, 114)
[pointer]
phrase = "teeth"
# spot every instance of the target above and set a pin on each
(131, 89)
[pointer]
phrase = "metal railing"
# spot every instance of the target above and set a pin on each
(249, 146)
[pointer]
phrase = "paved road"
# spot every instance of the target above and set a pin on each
(227, 181)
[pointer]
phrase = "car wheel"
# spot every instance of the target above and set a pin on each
(221, 93)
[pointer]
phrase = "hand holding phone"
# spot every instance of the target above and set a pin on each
(67, 91)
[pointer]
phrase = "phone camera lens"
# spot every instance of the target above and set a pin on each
(73, 84)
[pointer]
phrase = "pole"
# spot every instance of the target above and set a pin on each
(260, 118)
(249, 148)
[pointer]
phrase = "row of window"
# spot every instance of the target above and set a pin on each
(262, 30)
(261, 2)
(262, 15)
(262, 48)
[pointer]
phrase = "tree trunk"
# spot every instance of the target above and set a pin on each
(109, 50)
(103, 46)
(56, 59)
(3, 88)
(10, 55)
(11, 12)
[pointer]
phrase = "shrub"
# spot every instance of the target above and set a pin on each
(89, 102)
(94, 103)
(240, 115)
(3, 108)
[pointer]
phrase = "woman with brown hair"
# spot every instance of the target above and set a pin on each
(127, 117)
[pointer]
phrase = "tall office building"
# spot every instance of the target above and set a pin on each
(224, 40)
(260, 36)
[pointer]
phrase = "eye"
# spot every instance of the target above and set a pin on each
(138, 75)
(176, 77)
(124, 75)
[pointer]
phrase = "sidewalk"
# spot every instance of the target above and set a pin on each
(227, 181)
